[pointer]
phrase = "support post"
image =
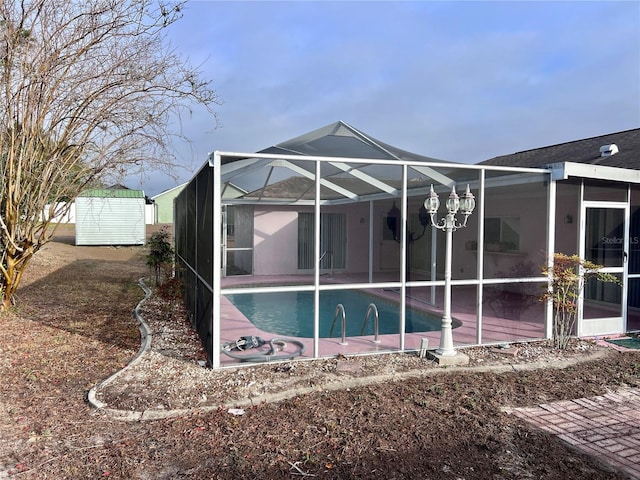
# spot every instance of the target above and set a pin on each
(446, 336)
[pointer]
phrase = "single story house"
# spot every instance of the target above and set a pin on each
(597, 216)
(164, 203)
(309, 237)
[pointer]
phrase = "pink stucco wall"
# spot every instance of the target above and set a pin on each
(275, 241)
(276, 237)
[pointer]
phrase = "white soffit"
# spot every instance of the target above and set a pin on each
(562, 171)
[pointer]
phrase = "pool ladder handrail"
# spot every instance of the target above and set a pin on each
(376, 319)
(325, 253)
(340, 309)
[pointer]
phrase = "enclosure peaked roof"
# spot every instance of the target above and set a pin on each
(284, 172)
(342, 140)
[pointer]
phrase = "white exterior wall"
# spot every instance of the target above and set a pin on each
(150, 214)
(69, 217)
(110, 221)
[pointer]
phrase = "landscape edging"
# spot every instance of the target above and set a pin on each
(342, 384)
(145, 343)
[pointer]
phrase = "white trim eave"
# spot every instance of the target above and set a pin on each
(225, 156)
(564, 170)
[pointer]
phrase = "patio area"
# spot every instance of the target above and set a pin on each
(506, 317)
(337, 210)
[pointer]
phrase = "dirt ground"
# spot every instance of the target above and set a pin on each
(388, 417)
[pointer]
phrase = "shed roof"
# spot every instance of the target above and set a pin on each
(108, 193)
(579, 151)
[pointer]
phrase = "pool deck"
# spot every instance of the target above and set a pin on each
(524, 324)
(503, 320)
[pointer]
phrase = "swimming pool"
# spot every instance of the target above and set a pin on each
(291, 313)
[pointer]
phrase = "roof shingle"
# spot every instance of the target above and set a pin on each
(579, 151)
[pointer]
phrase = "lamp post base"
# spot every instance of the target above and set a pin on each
(448, 360)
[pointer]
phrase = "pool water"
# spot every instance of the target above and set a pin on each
(291, 313)
(633, 343)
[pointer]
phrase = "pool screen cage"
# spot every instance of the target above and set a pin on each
(274, 222)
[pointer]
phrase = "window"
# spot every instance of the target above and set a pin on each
(333, 240)
(502, 234)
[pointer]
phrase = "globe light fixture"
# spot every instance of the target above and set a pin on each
(453, 202)
(467, 204)
(432, 202)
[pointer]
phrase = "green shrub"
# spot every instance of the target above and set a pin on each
(160, 254)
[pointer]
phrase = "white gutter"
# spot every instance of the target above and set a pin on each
(564, 170)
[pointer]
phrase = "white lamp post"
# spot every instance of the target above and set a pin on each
(449, 224)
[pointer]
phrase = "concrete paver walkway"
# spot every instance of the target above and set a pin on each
(606, 427)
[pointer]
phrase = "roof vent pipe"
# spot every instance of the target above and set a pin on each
(608, 150)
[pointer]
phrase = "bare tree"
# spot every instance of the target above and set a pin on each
(88, 89)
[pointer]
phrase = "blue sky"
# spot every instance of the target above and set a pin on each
(460, 81)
